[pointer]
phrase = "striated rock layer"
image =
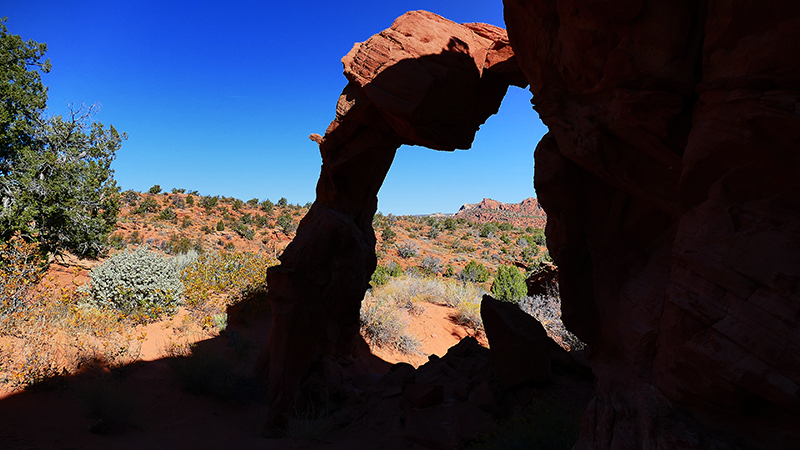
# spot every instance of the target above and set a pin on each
(527, 213)
(671, 181)
(424, 81)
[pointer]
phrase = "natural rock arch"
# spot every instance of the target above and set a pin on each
(670, 180)
(424, 81)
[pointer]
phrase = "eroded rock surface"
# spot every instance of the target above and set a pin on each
(670, 181)
(424, 81)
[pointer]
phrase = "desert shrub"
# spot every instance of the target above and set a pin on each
(395, 269)
(116, 240)
(221, 226)
(282, 201)
(140, 283)
(285, 223)
(387, 234)
(20, 270)
(167, 214)
(433, 232)
(529, 254)
(474, 272)
(546, 308)
(147, 205)
(130, 197)
(506, 240)
(178, 243)
(449, 224)
(237, 204)
(449, 272)
(229, 246)
(253, 202)
(190, 200)
(186, 222)
(207, 229)
(178, 190)
(244, 231)
(539, 237)
(178, 202)
(266, 206)
(262, 221)
(156, 189)
(379, 277)
(509, 284)
(134, 238)
(219, 273)
(246, 219)
(487, 230)
(431, 265)
(208, 202)
(383, 326)
(407, 250)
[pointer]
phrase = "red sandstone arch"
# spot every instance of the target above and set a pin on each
(424, 81)
(671, 180)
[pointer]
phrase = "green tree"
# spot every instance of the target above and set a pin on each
(282, 201)
(509, 284)
(156, 189)
(56, 182)
(474, 272)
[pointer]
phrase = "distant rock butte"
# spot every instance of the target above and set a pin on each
(523, 214)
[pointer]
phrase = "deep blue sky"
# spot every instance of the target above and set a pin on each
(221, 96)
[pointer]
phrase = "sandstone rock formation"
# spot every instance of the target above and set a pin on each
(670, 180)
(424, 81)
(527, 213)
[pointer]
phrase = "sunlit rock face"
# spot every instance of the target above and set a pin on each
(670, 178)
(424, 81)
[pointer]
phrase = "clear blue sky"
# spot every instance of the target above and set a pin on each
(220, 97)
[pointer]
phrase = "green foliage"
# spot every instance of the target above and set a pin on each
(252, 202)
(139, 283)
(116, 240)
(186, 222)
(529, 254)
(178, 202)
(244, 231)
(178, 191)
(190, 200)
(156, 189)
(237, 204)
(488, 230)
(147, 205)
(387, 234)
(379, 277)
(449, 272)
(539, 237)
(208, 202)
(433, 232)
(56, 184)
(167, 214)
(282, 201)
(266, 206)
(509, 284)
(130, 197)
(286, 224)
(383, 326)
(474, 272)
(506, 240)
(395, 269)
(449, 224)
(505, 226)
(220, 226)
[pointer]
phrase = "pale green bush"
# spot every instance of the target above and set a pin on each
(139, 283)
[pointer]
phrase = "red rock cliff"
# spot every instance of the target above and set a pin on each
(671, 181)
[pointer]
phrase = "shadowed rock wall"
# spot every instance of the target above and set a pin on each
(424, 81)
(670, 178)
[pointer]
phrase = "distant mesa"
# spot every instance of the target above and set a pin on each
(523, 214)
